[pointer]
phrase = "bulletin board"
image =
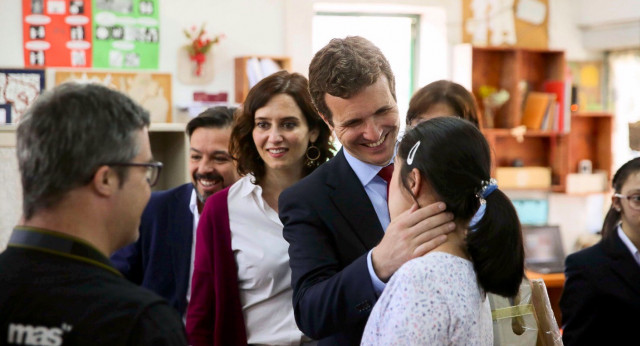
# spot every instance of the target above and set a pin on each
(151, 90)
(127, 33)
(57, 33)
(510, 23)
(122, 34)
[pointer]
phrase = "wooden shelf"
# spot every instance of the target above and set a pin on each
(591, 139)
(506, 68)
(535, 148)
(241, 78)
(170, 145)
(590, 135)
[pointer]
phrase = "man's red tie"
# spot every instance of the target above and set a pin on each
(385, 173)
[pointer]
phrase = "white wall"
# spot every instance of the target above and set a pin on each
(283, 27)
(250, 26)
(278, 27)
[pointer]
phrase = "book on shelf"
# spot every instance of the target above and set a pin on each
(259, 68)
(538, 110)
(559, 88)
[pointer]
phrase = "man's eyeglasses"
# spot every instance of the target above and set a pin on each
(153, 169)
(634, 200)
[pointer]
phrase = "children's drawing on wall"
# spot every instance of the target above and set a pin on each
(151, 90)
(18, 89)
(521, 23)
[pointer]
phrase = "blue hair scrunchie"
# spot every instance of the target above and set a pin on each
(487, 188)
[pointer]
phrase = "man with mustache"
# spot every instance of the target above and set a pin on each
(162, 259)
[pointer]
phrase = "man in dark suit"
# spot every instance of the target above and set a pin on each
(162, 258)
(335, 219)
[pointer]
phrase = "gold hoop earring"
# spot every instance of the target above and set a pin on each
(312, 154)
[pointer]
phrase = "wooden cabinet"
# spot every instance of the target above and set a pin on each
(591, 139)
(242, 84)
(517, 71)
(170, 145)
(532, 148)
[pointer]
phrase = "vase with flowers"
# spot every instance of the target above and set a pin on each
(199, 44)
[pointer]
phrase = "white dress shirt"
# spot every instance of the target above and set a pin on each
(632, 248)
(264, 275)
(193, 206)
(376, 189)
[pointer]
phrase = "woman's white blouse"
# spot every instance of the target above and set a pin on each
(264, 276)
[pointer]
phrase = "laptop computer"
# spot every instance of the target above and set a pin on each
(543, 249)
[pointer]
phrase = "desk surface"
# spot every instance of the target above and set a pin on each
(554, 280)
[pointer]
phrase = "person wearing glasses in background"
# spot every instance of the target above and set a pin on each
(600, 301)
(162, 259)
(87, 170)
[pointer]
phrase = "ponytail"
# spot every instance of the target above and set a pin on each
(454, 158)
(495, 247)
(611, 221)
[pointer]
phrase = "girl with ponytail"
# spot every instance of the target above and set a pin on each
(440, 298)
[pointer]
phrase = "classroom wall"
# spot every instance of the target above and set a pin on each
(275, 27)
(268, 27)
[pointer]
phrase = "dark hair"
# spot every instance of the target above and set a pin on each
(241, 145)
(67, 134)
(453, 157)
(443, 91)
(612, 219)
(344, 67)
(215, 117)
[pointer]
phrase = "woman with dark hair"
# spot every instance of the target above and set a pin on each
(241, 287)
(600, 301)
(440, 298)
(442, 98)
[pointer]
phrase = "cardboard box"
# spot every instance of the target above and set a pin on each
(523, 177)
(586, 183)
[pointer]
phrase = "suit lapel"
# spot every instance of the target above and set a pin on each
(181, 238)
(352, 201)
(622, 262)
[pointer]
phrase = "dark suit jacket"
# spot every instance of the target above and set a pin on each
(330, 225)
(600, 303)
(161, 258)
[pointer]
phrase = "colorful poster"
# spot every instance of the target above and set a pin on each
(18, 90)
(126, 34)
(57, 33)
(151, 90)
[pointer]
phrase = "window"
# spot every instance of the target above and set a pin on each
(624, 82)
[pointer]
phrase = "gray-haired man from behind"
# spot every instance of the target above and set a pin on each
(87, 171)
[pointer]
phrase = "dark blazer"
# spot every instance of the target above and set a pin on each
(330, 225)
(600, 303)
(161, 258)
